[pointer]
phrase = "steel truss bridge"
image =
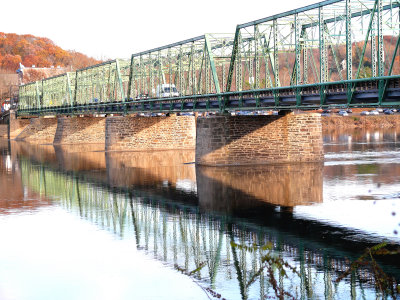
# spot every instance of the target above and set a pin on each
(341, 53)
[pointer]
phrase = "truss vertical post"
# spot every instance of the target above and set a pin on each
(150, 64)
(323, 57)
(180, 69)
(251, 65)
(76, 88)
(349, 52)
(276, 60)
(239, 69)
(276, 54)
(298, 46)
(223, 68)
(130, 78)
(381, 63)
(145, 79)
(121, 86)
(140, 75)
(305, 58)
(373, 46)
(87, 84)
(103, 80)
(256, 57)
(38, 95)
(191, 70)
(169, 66)
(93, 84)
(381, 66)
(322, 48)
(69, 89)
(160, 69)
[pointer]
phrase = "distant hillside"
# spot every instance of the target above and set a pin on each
(40, 52)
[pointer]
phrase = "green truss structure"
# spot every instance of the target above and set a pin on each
(332, 53)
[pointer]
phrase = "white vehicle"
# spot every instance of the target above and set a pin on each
(374, 112)
(343, 113)
(166, 91)
(364, 113)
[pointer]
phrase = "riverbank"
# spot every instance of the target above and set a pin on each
(357, 121)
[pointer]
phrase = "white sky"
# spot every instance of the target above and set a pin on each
(118, 28)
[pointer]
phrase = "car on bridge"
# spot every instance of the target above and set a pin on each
(166, 91)
(142, 96)
(388, 112)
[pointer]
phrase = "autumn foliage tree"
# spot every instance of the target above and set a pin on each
(41, 52)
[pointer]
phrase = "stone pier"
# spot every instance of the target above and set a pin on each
(238, 140)
(150, 133)
(80, 130)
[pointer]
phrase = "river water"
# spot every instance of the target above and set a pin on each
(79, 223)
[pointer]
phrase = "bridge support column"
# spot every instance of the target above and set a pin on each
(150, 133)
(241, 140)
(16, 126)
(80, 130)
(39, 130)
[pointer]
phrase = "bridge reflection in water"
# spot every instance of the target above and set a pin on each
(193, 217)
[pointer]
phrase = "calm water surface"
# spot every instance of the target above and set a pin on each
(78, 223)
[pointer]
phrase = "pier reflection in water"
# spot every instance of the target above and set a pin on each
(192, 217)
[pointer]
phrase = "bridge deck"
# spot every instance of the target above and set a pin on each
(360, 93)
